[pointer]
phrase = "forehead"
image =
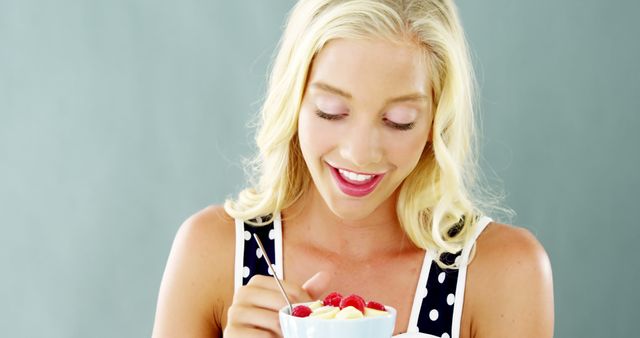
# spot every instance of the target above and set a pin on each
(371, 68)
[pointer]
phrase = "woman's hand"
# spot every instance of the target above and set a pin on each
(254, 311)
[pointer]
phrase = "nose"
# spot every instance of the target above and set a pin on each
(362, 146)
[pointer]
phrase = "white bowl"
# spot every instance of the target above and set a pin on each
(311, 327)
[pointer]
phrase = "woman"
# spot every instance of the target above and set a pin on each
(365, 179)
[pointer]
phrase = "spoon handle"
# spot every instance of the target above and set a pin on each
(264, 254)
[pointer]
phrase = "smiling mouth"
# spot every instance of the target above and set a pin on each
(355, 184)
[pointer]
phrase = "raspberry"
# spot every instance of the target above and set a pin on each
(375, 305)
(353, 300)
(301, 311)
(332, 299)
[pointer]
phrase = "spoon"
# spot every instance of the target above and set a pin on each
(264, 254)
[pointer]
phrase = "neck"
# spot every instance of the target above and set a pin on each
(378, 234)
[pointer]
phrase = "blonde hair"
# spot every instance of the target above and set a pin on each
(434, 206)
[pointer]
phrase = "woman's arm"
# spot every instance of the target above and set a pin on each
(199, 268)
(512, 286)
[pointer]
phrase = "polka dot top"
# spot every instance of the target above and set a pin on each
(439, 295)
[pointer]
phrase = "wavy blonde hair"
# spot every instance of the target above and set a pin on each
(434, 204)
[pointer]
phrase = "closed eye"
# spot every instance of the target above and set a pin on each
(399, 126)
(326, 116)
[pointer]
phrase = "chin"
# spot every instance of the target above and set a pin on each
(351, 212)
(350, 215)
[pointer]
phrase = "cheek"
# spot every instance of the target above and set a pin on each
(405, 152)
(316, 138)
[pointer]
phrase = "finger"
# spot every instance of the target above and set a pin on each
(317, 285)
(268, 299)
(253, 317)
(247, 332)
(295, 293)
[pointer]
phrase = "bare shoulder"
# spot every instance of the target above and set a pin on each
(208, 226)
(510, 287)
(198, 274)
(502, 245)
(206, 241)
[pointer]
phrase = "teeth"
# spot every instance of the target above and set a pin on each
(354, 176)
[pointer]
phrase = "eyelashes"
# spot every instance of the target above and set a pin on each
(334, 117)
(326, 116)
(400, 126)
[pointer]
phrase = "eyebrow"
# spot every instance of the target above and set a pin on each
(340, 92)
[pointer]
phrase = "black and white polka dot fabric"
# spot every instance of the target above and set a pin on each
(437, 307)
(251, 255)
(439, 294)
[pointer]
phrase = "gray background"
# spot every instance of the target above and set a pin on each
(120, 118)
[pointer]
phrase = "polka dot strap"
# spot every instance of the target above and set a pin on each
(249, 260)
(439, 296)
(442, 296)
(479, 227)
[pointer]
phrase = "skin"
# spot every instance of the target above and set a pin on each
(356, 244)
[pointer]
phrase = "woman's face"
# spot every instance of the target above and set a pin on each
(364, 121)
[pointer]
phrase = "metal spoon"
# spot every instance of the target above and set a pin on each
(264, 254)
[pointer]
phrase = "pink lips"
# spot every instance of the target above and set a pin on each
(352, 189)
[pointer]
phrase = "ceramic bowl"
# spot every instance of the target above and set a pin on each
(311, 327)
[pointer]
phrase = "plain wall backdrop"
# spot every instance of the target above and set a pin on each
(120, 118)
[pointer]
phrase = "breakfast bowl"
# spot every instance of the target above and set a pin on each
(378, 326)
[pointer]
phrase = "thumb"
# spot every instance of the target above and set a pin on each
(317, 284)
